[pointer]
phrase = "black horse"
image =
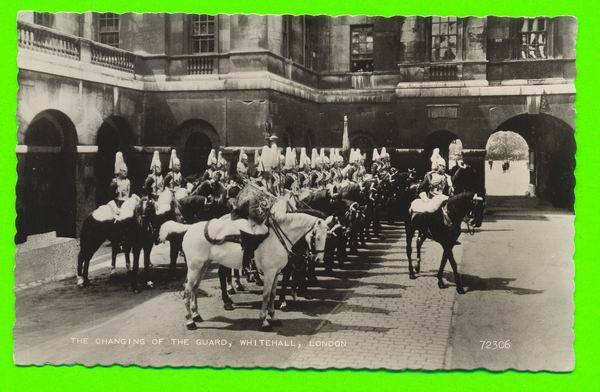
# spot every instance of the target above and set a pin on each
(132, 234)
(435, 226)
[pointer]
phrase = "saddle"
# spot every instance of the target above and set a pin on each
(429, 206)
(224, 229)
(110, 212)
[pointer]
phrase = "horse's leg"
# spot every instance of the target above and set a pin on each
(285, 281)
(127, 260)
(194, 308)
(224, 272)
(174, 248)
(113, 261)
(230, 288)
(457, 279)
(134, 271)
(440, 274)
(409, 232)
(238, 286)
(341, 248)
(147, 264)
(420, 240)
(269, 277)
(274, 321)
(189, 294)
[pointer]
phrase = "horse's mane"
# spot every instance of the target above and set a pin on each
(316, 195)
(313, 212)
(461, 199)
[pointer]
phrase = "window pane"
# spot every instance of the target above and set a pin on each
(452, 41)
(452, 28)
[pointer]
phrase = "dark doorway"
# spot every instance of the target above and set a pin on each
(366, 145)
(46, 195)
(193, 140)
(113, 135)
(195, 154)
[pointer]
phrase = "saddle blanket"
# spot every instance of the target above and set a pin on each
(225, 228)
(421, 205)
(110, 212)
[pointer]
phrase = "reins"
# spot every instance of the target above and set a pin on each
(285, 240)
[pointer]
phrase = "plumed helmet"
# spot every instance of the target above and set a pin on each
(119, 162)
(173, 160)
(212, 158)
(155, 161)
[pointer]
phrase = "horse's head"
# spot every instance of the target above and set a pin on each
(317, 237)
(476, 215)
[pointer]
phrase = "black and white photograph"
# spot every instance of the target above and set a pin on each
(295, 191)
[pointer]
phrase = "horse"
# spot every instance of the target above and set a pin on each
(434, 226)
(131, 229)
(271, 256)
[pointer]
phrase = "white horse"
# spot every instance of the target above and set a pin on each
(206, 242)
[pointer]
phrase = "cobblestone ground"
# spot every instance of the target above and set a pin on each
(368, 314)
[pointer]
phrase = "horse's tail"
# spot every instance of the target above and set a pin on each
(171, 230)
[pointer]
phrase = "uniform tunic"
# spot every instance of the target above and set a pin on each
(175, 180)
(121, 188)
(154, 185)
(436, 184)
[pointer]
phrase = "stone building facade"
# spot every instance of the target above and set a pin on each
(92, 84)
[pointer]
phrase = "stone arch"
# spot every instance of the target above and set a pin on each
(552, 155)
(46, 192)
(114, 134)
(193, 140)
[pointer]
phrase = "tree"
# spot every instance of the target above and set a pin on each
(507, 145)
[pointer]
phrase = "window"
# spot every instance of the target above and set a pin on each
(533, 39)
(108, 29)
(444, 38)
(43, 19)
(286, 25)
(361, 48)
(203, 34)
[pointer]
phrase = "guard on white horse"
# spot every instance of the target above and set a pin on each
(218, 241)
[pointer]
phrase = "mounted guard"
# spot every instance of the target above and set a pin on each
(174, 179)
(154, 183)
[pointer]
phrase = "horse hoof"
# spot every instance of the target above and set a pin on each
(190, 325)
(275, 322)
(442, 285)
(128, 267)
(230, 291)
(113, 271)
(418, 270)
(239, 287)
(283, 307)
(266, 327)
(197, 318)
(150, 284)
(460, 290)
(228, 306)
(80, 282)
(412, 276)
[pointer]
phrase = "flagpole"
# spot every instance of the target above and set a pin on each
(345, 140)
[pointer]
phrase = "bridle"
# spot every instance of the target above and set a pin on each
(287, 243)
